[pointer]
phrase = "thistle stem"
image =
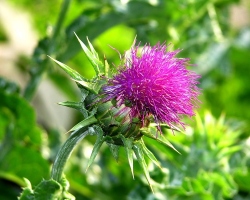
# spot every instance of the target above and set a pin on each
(68, 147)
(60, 20)
(48, 47)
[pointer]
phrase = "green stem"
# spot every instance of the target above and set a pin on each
(67, 148)
(45, 47)
(214, 22)
(62, 14)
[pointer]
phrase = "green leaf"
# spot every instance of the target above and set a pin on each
(80, 106)
(76, 105)
(27, 193)
(107, 73)
(140, 158)
(11, 170)
(47, 189)
(66, 150)
(95, 86)
(93, 57)
(76, 76)
(114, 150)
(242, 178)
(99, 141)
(73, 74)
(174, 128)
(70, 104)
(84, 123)
(21, 141)
(158, 137)
(128, 145)
(149, 154)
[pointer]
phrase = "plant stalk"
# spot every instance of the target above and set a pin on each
(68, 147)
(40, 67)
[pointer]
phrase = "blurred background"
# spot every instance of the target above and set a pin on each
(215, 148)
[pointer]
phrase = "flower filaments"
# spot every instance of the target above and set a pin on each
(156, 84)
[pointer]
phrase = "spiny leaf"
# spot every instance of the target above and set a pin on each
(114, 150)
(80, 106)
(95, 86)
(75, 105)
(107, 68)
(99, 141)
(149, 154)
(84, 123)
(128, 144)
(75, 76)
(140, 158)
(160, 138)
(174, 128)
(27, 183)
(84, 93)
(93, 57)
(47, 189)
(93, 51)
(28, 192)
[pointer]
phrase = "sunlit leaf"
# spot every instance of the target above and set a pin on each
(84, 123)
(160, 138)
(93, 57)
(140, 158)
(99, 141)
(149, 154)
(128, 145)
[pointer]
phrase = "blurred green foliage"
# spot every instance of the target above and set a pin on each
(215, 150)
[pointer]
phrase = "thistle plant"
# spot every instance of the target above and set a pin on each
(150, 90)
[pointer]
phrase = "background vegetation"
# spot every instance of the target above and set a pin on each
(215, 149)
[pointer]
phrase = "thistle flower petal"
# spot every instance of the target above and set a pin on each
(155, 83)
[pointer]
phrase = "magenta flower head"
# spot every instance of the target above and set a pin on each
(155, 84)
(152, 88)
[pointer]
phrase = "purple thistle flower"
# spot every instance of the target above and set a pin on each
(157, 84)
